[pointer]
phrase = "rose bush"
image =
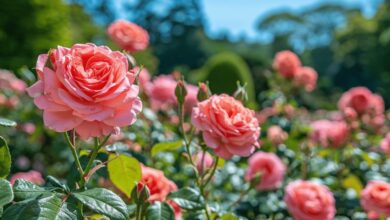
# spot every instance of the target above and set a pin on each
(141, 147)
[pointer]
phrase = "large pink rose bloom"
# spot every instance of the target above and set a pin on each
(329, 133)
(269, 166)
(375, 198)
(128, 36)
(159, 187)
(286, 63)
(385, 144)
(307, 78)
(228, 127)
(31, 176)
(307, 200)
(87, 88)
(362, 101)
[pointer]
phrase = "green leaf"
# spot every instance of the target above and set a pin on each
(132, 210)
(160, 211)
(104, 202)
(166, 146)
(6, 194)
(7, 123)
(229, 216)
(51, 207)
(124, 172)
(56, 183)
(27, 190)
(5, 159)
(188, 198)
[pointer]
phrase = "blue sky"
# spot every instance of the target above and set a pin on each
(240, 16)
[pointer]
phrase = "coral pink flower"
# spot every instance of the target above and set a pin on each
(385, 144)
(276, 135)
(307, 78)
(128, 36)
(87, 88)
(286, 63)
(307, 200)
(159, 187)
(161, 92)
(362, 101)
(31, 176)
(228, 127)
(203, 161)
(376, 198)
(329, 133)
(269, 166)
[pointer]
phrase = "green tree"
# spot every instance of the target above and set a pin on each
(31, 27)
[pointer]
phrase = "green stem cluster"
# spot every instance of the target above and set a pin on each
(201, 182)
(92, 156)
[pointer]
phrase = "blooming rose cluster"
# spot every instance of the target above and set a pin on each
(228, 127)
(307, 200)
(10, 89)
(360, 102)
(161, 92)
(289, 66)
(159, 187)
(86, 87)
(128, 36)
(329, 133)
(270, 168)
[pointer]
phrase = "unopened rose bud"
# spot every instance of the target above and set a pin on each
(180, 92)
(203, 92)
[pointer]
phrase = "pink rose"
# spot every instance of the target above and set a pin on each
(128, 36)
(203, 161)
(375, 197)
(286, 63)
(307, 78)
(269, 166)
(307, 200)
(161, 92)
(329, 133)
(159, 187)
(87, 88)
(228, 127)
(362, 101)
(31, 176)
(385, 144)
(276, 135)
